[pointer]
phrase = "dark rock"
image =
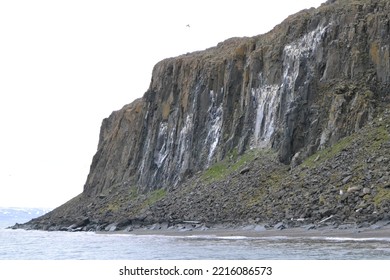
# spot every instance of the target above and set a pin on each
(280, 226)
(81, 223)
(346, 226)
(346, 179)
(244, 170)
(124, 223)
(111, 227)
(380, 224)
(364, 225)
(128, 229)
(310, 227)
(326, 212)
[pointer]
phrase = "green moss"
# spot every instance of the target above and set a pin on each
(381, 196)
(232, 163)
(117, 197)
(155, 196)
(328, 153)
(271, 183)
(243, 160)
(256, 198)
(114, 206)
(276, 177)
(133, 193)
(379, 135)
(233, 154)
(216, 172)
(374, 137)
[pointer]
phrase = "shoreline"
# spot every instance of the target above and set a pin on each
(378, 230)
(297, 232)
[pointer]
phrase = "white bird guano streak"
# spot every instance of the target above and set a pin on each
(163, 152)
(293, 53)
(267, 102)
(214, 125)
(268, 97)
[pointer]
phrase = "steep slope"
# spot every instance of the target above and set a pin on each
(301, 87)
(319, 76)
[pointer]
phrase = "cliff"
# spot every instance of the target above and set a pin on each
(265, 103)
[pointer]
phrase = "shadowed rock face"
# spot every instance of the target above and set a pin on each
(319, 76)
(310, 81)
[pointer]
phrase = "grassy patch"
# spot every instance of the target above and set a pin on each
(216, 172)
(232, 163)
(382, 195)
(379, 135)
(374, 136)
(256, 197)
(243, 160)
(155, 196)
(133, 193)
(114, 206)
(328, 153)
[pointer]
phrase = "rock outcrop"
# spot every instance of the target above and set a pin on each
(319, 76)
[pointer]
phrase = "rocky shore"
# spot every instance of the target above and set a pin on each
(380, 230)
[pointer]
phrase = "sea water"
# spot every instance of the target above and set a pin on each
(41, 245)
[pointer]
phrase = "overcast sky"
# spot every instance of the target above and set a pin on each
(66, 65)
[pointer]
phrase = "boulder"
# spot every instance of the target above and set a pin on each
(111, 227)
(280, 226)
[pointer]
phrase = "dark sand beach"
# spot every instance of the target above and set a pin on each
(262, 232)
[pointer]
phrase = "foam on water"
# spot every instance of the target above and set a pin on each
(357, 239)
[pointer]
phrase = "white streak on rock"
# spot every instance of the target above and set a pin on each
(293, 54)
(214, 125)
(164, 150)
(267, 102)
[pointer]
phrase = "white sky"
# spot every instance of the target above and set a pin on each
(66, 65)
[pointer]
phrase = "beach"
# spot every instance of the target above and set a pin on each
(259, 231)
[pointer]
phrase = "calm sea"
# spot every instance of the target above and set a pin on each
(40, 245)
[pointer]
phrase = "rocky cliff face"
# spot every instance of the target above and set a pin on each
(317, 77)
(301, 87)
